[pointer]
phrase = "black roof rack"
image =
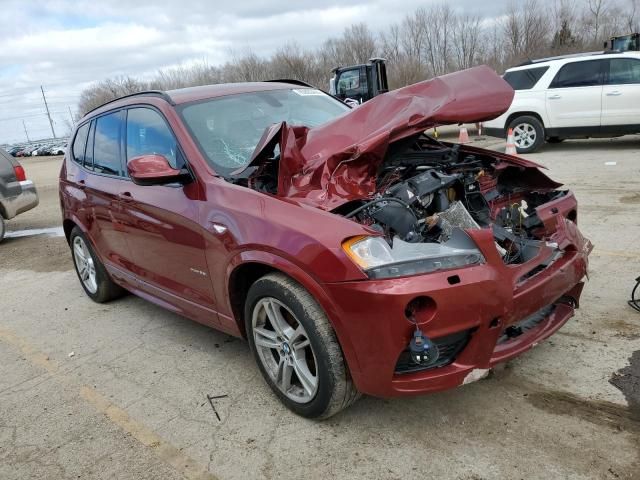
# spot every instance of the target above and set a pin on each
(292, 81)
(150, 93)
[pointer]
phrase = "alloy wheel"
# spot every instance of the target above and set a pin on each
(524, 135)
(84, 264)
(284, 350)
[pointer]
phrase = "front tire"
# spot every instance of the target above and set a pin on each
(91, 272)
(296, 348)
(528, 133)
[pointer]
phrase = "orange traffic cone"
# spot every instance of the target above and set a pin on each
(464, 135)
(511, 144)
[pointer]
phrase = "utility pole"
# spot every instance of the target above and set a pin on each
(73, 122)
(48, 114)
(25, 131)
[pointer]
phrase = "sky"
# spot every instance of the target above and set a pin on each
(65, 45)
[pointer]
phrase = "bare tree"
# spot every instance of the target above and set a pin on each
(597, 9)
(526, 30)
(467, 32)
(430, 41)
(633, 22)
(108, 90)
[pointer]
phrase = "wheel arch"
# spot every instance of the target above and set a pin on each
(67, 226)
(248, 267)
(515, 115)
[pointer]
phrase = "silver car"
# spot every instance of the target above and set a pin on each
(17, 194)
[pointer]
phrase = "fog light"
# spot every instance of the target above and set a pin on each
(423, 351)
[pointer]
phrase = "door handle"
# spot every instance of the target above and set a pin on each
(82, 184)
(554, 97)
(615, 93)
(125, 197)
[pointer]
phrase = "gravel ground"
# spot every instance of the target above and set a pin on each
(120, 390)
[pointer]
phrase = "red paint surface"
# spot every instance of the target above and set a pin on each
(151, 237)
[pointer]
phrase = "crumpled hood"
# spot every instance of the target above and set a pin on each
(337, 162)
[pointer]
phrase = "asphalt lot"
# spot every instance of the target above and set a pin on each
(120, 390)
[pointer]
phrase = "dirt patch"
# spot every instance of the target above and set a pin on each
(595, 411)
(625, 330)
(627, 380)
(38, 253)
(633, 198)
(607, 414)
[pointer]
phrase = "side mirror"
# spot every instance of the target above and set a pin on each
(154, 170)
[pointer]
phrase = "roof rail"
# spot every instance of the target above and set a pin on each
(292, 81)
(151, 93)
(569, 55)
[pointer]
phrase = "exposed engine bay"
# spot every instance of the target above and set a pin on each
(426, 190)
(375, 165)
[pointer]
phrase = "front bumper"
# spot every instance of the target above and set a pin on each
(484, 301)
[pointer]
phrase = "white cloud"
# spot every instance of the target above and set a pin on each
(65, 45)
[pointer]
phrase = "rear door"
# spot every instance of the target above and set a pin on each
(101, 180)
(163, 231)
(621, 94)
(574, 97)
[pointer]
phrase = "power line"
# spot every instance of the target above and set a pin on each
(30, 115)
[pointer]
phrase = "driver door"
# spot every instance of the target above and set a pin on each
(163, 232)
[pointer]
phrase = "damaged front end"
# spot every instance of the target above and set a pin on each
(416, 195)
(484, 246)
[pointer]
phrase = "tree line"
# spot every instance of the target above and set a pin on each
(429, 42)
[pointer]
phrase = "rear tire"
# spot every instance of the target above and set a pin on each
(93, 277)
(289, 333)
(528, 133)
(3, 228)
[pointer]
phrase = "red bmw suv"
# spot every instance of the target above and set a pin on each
(355, 253)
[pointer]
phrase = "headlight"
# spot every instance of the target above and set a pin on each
(379, 260)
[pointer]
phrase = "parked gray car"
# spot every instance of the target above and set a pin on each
(17, 194)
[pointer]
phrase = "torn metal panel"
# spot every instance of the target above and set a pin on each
(338, 161)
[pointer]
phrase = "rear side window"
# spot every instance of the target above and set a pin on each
(524, 79)
(79, 144)
(148, 133)
(106, 144)
(579, 74)
(623, 71)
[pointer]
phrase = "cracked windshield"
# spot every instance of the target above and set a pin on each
(228, 129)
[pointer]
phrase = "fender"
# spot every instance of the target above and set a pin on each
(315, 288)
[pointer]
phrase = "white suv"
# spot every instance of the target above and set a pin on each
(575, 96)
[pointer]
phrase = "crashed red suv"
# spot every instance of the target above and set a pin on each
(353, 251)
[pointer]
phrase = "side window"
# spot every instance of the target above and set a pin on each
(148, 133)
(106, 144)
(579, 74)
(524, 79)
(79, 144)
(623, 71)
